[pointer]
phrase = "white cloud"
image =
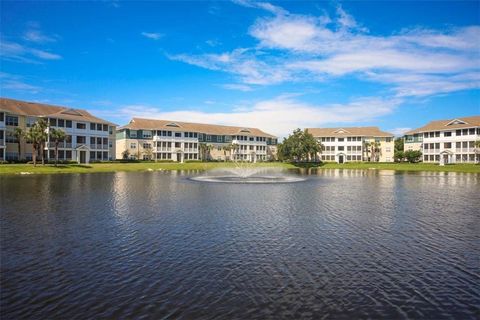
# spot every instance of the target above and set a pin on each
(293, 47)
(37, 36)
(153, 35)
(237, 86)
(399, 131)
(16, 83)
(277, 116)
(17, 52)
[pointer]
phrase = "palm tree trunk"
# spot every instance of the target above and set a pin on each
(42, 149)
(34, 154)
(56, 153)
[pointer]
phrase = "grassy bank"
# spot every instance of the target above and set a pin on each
(151, 166)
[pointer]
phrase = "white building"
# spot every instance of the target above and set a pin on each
(446, 141)
(88, 138)
(353, 144)
(180, 141)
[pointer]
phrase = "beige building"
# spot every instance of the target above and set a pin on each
(88, 138)
(353, 144)
(180, 141)
(446, 141)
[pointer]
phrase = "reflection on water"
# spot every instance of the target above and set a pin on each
(343, 243)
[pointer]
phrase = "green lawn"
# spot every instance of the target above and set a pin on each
(151, 166)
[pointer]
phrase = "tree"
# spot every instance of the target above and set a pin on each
(33, 136)
(202, 147)
(148, 152)
(413, 156)
(398, 155)
(477, 150)
(57, 136)
(41, 127)
(19, 134)
(125, 154)
(299, 146)
(398, 144)
(226, 148)
(375, 150)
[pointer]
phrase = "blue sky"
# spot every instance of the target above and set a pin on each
(273, 65)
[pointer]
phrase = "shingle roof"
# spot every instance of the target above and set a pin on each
(449, 124)
(349, 131)
(153, 124)
(35, 109)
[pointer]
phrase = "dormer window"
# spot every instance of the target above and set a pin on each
(455, 121)
(245, 130)
(173, 124)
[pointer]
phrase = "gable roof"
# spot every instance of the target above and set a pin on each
(153, 124)
(35, 109)
(448, 124)
(349, 131)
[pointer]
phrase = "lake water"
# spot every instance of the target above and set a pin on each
(155, 245)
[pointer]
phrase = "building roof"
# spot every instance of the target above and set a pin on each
(153, 124)
(449, 124)
(349, 131)
(35, 109)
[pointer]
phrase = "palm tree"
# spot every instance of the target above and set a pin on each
(366, 149)
(226, 148)
(235, 148)
(33, 136)
(375, 147)
(477, 149)
(57, 135)
(19, 134)
(202, 147)
(42, 127)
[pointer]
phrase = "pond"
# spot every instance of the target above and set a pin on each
(340, 244)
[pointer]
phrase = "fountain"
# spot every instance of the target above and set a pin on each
(244, 172)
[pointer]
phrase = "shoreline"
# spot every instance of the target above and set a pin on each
(28, 169)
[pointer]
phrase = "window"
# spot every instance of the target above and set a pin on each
(425, 134)
(133, 134)
(340, 139)
(147, 134)
(53, 122)
(464, 132)
(92, 140)
(98, 127)
(178, 134)
(388, 139)
(437, 134)
(147, 146)
(471, 131)
(81, 126)
(447, 145)
(81, 139)
(68, 124)
(12, 121)
(105, 127)
(61, 123)
(341, 148)
(133, 145)
(30, 121)
(209, 137)
(93, 126)
(387, 149)
(110, 130)
(10, 137)
(2, 115)
(458, 132)
(447, 134)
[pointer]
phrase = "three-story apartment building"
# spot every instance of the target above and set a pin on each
(446, 141)
(180, 141)
(88, 138)
(353, 144)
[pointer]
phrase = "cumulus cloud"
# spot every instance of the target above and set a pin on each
(152, 35)
(277, 116)
(18, 52)
(294, 47)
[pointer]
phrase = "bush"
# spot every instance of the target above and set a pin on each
(413, 156)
